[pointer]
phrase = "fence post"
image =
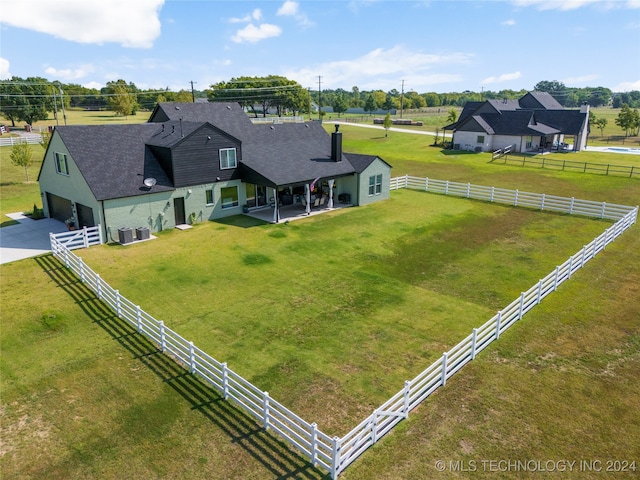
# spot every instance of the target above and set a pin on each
(265, 410)
(542, 202)
(555, 279)
(118, 305)
(85, 237)
(162, 337)
(584, 252)
(515, 199)
(446, 188)
(444, 368)
(571, 205)
(498, 320)
(406, 180)
(539, 292)
(468, 190)
(225, 381)
(520, 313)
(570, 266)
(374, 420)
(474, 336)
(335, 458)
(98, 287)
(604, 207)
(66, 257)
(81, 263)
(192, 358)
(314, 439)
(426, 184)
(407, 391)
(139, 318)
(492, 192)
(100, 237)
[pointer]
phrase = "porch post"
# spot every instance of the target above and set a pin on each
(307, 195)
(276, 210)
(330, 205)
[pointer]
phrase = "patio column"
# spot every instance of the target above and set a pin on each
(330, 204)
(276, 210)
(307, 196)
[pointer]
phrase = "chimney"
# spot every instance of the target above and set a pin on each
(336, 145)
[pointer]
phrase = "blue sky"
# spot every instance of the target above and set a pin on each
(441, 46)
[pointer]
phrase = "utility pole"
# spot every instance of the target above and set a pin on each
(193, 95)
(319, 98)
(64, 115)
(402, 99)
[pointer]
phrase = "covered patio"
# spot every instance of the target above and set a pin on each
(295, 211)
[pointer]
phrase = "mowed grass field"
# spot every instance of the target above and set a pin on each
(330, 315)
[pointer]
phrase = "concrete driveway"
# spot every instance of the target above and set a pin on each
(27, 239)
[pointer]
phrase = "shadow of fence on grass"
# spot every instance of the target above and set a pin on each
(273, 454)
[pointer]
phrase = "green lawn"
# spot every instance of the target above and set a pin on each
(330, 314)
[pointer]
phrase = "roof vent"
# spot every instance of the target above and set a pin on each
(228, 107)
(272, 127)
(177, 107)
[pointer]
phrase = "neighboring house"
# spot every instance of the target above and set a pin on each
(195, 162)
(534, 123)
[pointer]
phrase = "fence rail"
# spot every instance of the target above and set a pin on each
(334, 454)
(83, 238)
(568, 165)
(11, 141)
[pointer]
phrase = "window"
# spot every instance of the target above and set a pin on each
(375, 184)
(480, 139)
(209, 194)
(61, 164)
(228, 158)
(229, 196)
(529, 141)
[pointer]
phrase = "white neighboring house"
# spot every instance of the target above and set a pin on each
(535, 123)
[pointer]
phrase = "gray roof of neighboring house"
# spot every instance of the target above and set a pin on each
(115, 159)
(533, 114)
(361, 162)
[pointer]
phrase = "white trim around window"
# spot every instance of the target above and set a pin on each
(375, 185)
(62, 166)
(228, 158)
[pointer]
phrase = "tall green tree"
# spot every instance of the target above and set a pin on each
(340, 105)
(21, 156)
(555, 88)
(628, 119)
(26, 100)
(122, 99)
(453, 116)
(370, 104)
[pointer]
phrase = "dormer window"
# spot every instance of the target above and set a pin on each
(228, 158)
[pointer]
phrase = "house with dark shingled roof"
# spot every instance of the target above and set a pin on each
(535, 123)
(200, 161)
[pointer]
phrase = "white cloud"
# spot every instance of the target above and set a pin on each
(133, 24)
(253, 34)
(626, 86)
(95, 85)
(255, 15)
(4, 68)
(68, 74)
(575, 4)
(288, 8)
(383, 69)
(292, 9)
(508, 23)
(505, 77)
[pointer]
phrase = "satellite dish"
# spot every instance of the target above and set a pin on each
(150, 182)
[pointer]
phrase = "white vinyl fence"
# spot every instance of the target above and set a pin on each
(335, 454)
(83, 238)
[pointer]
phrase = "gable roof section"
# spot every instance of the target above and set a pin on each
(539, 101)
(113, 159)
(228, 116)
(291, 153)
(361, 162)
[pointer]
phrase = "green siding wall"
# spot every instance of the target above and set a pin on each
(377, 167)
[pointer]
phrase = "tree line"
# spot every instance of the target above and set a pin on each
(31, 99)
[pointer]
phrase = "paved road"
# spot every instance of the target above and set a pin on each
(28, 238)
(379, 127)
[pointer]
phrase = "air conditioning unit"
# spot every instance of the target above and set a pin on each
(142, 233)
(125, 235)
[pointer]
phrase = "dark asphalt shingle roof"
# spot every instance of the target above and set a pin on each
(115, 159)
